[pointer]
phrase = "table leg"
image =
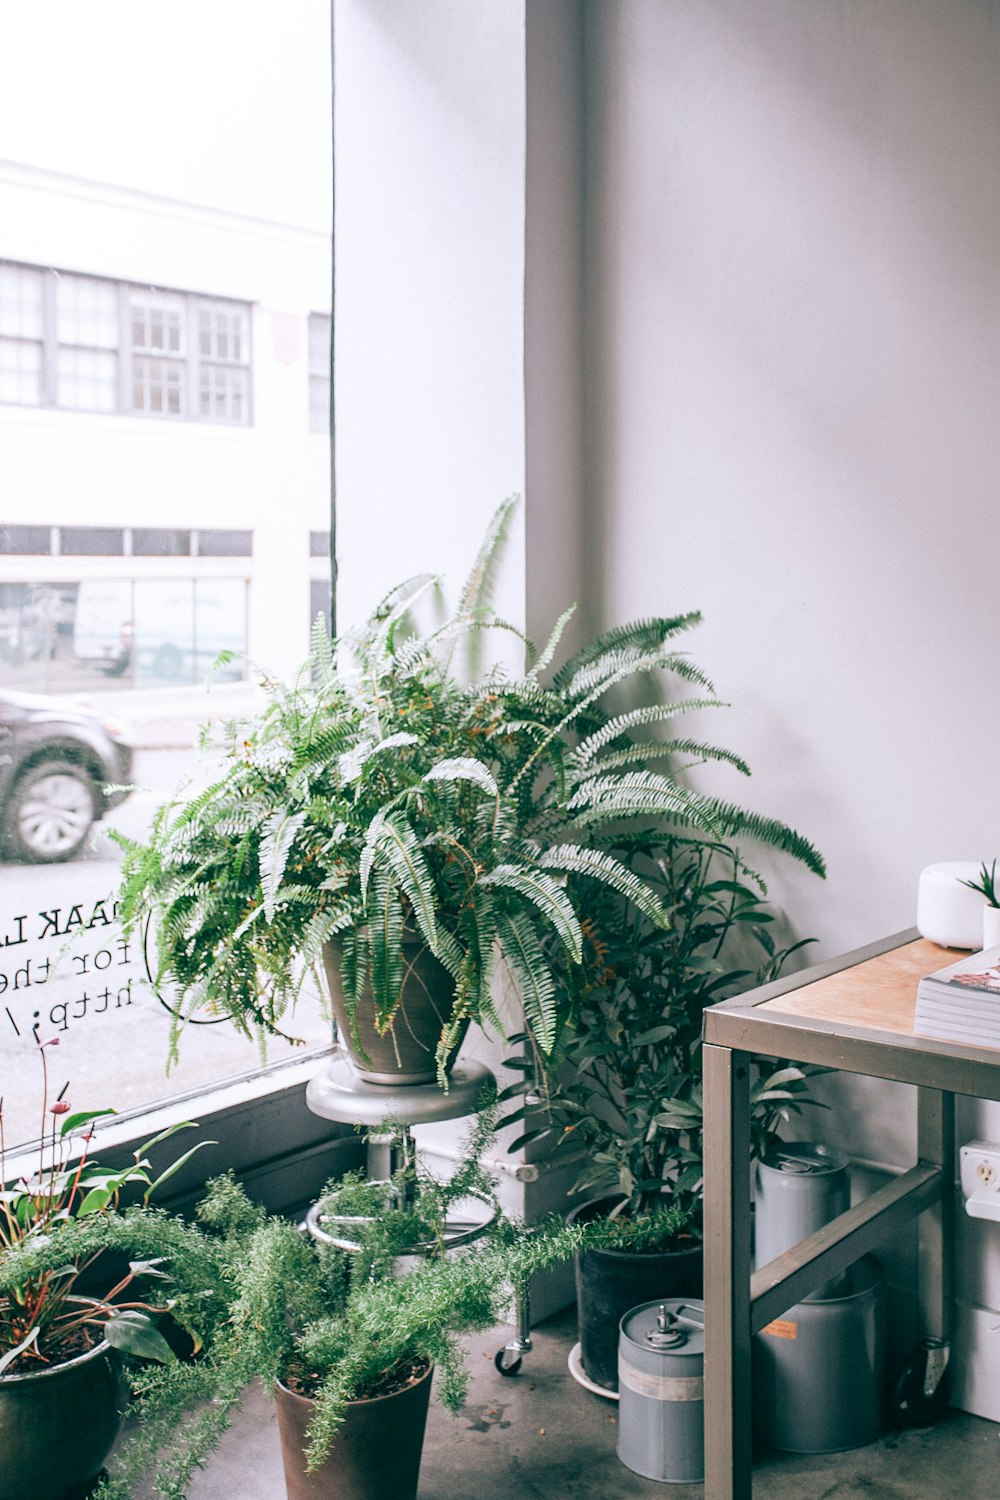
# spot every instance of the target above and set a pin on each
(728, 1454)
(936, 1243)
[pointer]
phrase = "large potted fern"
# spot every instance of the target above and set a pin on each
(407, 829)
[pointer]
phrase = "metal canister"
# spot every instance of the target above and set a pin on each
(800, 1187)
(818, 1370)
(661, 1387)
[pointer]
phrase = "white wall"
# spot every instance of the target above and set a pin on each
(793, 239)
(429, 256)
(793, 342)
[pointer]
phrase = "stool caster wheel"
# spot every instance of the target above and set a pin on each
(507, 1362)
(920, 1392)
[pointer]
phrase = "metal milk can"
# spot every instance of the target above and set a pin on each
(800, 1187)
(661, 1385)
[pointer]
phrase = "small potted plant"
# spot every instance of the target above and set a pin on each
(64, 1324)
(403, 829)
(624, 1085)
(986, 886)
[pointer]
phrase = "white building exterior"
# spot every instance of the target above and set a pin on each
(225, 199)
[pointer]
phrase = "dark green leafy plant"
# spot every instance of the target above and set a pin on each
(381, 794)
(624, 1085)
(41, 1315)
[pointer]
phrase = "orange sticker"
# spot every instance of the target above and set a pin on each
(781, 1328)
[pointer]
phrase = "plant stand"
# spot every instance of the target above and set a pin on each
(337, 1093)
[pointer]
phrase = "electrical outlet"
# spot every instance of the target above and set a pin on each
(980, 1167)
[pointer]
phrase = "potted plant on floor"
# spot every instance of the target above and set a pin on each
(624, 1085)
(406, 829)
(65, 1319)
(347, 1344)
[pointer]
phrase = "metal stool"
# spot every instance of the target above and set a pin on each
(337, 1093)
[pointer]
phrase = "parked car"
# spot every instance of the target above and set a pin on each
(56, 764)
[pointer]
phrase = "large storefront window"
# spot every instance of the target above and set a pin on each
(164, 528)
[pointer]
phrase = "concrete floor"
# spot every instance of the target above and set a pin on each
(539, 1436)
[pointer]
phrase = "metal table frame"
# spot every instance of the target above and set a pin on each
(739, 1304)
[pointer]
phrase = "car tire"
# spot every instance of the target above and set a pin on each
(51, 809)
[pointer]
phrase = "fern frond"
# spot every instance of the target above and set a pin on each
(552, 644)
(275, 847)
(771, 832)
(547, 896)
(635, 718)
(532, 975)
(464, 768)
(392, 840)
(576, 859)
(479, 584)
(641, 794)
(638, 637)
(385, 919)
(656, 749)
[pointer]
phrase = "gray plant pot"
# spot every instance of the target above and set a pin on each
(405, 1054)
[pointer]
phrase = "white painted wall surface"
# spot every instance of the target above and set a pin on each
(429, 255)
(793, 347)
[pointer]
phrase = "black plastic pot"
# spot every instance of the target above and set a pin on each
(58, 1425)
(609, 1283)
(405, 1055)
(375, 1455)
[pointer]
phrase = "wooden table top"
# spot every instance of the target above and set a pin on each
(879, 994)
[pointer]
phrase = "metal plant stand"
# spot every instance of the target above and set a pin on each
(337, 1093)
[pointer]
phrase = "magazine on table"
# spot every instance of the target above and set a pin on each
(961, 1003)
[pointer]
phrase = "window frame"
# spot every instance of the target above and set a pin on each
(192, 306)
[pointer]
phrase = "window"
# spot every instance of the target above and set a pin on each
(319, 372)
(21, 335)
(83, 343)
(160, 484)
(87, 358)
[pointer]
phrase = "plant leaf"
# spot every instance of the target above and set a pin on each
(135, 1333)
(275, 846)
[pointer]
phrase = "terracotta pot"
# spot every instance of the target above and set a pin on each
(58, 1425)
(609, 1283)
(375, 1455)
(405, 1055)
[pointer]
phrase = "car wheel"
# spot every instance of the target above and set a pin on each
(50, 812)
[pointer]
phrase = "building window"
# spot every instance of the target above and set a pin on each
(22, 333)
(319, 372)
(158, 386)
(87, 357)
(83, 343)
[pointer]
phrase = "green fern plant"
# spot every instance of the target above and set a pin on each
(381, 795)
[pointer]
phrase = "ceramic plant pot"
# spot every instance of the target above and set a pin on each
(609, 1283)
(375, 1455)
(58, 1425)
(405, 1055)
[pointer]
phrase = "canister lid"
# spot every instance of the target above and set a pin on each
(803, 1159)
(674, 1326)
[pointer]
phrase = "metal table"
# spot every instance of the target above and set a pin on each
(854, 1013)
